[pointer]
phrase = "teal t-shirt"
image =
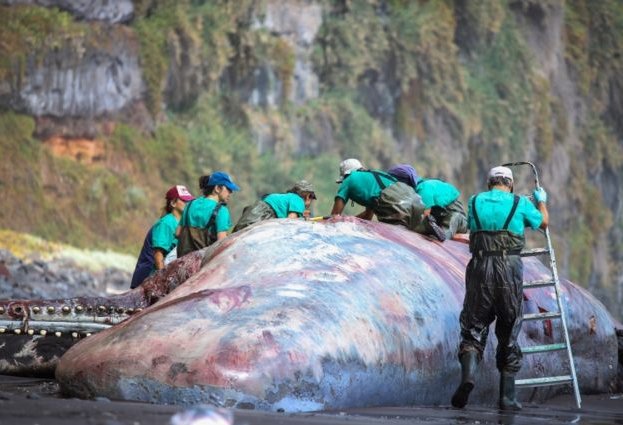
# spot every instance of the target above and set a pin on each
(198, 212)
(493, 208)
(163, 233)
(285, 203)
(362, 187)
(436, 193)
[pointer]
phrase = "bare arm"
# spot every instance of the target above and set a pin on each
(293, 215)
(178, 230)
(367, 214)
(221, 235)
(543, 209)
(159, 259)
(338, 206)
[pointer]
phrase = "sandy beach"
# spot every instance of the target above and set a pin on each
(30, 401)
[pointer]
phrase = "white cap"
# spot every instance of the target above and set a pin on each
(501, 172)
(348, 166)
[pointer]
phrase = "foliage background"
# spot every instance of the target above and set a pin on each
(452, 87)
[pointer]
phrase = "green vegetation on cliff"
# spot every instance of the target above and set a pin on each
(450, 86)
(60, 199)
(25, 29)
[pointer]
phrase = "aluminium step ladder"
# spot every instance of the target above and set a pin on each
(553, 282)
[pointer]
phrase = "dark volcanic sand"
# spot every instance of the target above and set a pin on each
(36, 401)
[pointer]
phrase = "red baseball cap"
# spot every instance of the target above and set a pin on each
(179, 192)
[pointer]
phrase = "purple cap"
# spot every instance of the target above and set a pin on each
(405, 173)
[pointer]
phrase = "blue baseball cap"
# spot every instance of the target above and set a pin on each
(220, 178)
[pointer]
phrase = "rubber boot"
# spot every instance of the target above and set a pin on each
(507, 393)
(469, 362)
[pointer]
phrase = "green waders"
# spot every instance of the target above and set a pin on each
(259, 212)
(399, 204)
(196, 238)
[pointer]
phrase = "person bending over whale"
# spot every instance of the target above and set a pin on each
(380, 193)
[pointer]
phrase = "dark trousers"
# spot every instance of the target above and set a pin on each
(493, 292)
(141, 273)
(452, 219)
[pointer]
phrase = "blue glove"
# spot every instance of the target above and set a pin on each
(540, 195)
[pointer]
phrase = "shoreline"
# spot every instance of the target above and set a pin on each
(37, 401)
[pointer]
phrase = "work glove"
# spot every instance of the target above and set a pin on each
(540, 195)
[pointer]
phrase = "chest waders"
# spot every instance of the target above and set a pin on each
(398, 203)
(493, 291)
(253, 214)
(195, 238)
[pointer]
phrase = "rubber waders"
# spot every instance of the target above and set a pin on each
(507, 393)
(469, 362)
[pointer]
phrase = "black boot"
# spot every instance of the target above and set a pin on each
(469, 362)
(437, 231)
(507, 393)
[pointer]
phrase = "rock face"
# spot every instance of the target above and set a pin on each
(185, 78)
(111, 11)
(91, 84)
(73, 89)
(296, 23)
(288, 77)
(547, 34)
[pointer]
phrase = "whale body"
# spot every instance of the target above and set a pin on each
(302, 316)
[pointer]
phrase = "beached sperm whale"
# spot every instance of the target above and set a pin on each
(34, 334)
(298, 315)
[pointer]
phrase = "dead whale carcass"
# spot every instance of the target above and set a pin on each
(304, 316)
(34, 334)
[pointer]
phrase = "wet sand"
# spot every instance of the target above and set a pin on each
(36, 401)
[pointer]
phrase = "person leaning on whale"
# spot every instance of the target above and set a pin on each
(381, 194)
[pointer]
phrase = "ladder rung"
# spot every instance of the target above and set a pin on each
(539, 283)
(542, 316)
(535, 251)
(544, 382)
(543, 348)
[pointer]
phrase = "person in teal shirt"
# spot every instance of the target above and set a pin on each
(207, 219)
(494, 281)
(291, 204)
(381, 194)
(160, 239)
(441, 202)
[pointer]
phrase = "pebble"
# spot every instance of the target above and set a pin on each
(60, 278)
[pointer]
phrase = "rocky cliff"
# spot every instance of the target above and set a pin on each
(156, 92)
(114, 12)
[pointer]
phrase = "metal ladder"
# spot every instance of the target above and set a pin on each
(551, 282)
